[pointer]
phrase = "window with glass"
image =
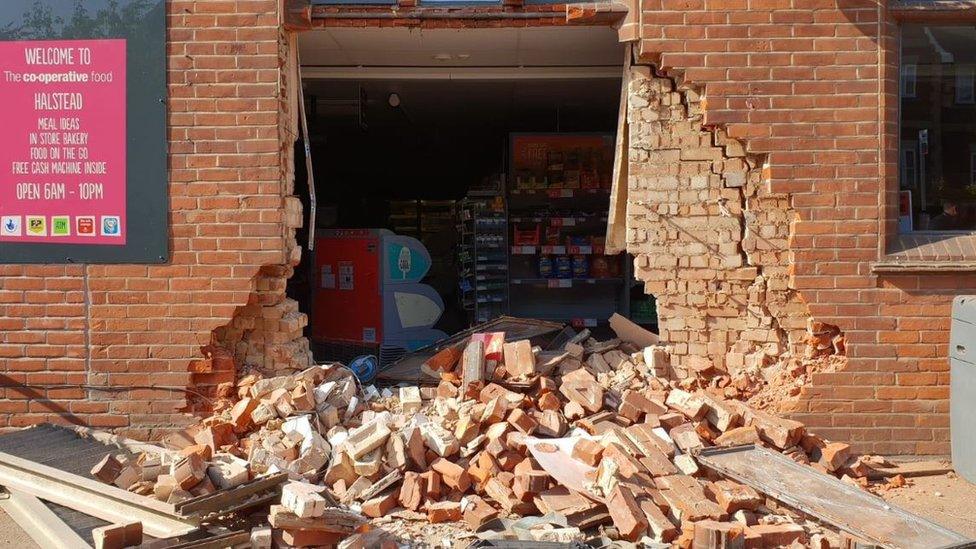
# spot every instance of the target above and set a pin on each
(937, 128)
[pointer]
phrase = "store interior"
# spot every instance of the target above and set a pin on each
(447, 196)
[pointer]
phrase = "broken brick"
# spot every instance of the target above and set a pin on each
(834, 455)
(627, 515)
(738, 436)
(587, 451)
(380, 505)
(107, 470)
(117, 536)
(777, 535)
(477, 512)
(411, 491)
(711, 534)
(519, 359)
(522, 421)
(452, 475)
(732, 496)
(444, 511)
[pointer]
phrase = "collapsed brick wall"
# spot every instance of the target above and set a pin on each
(811, 88)
(112, 346)
(266, 334)
(710, 239)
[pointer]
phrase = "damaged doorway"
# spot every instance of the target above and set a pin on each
(461, 174)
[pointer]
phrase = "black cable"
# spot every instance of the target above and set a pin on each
(114, 388)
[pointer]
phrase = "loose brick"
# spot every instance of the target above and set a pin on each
(732, 496)
(519, 359)
(588, 451)
(444, 511)
(477, 512)
(452, 474)
(710, 534)
(773, 535)
(626, 514)
(380, 505)
(411, 491)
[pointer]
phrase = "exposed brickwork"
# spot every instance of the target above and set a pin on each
(807, 87)
(810, 87)
(710, 240)
(119, 326)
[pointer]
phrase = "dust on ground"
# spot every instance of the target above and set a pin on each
(944, 499)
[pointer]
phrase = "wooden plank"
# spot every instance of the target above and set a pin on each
(218, 500)
(91, 497)
(616, 241)
(909, 469)
(849, 508)
(40, 523)
(216, 541)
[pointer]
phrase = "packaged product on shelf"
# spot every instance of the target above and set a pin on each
(564, 267)
(545, 266)
(600, 267)
(599, 244)
(552, 235)
(577, 240)
(581, 266)
(527, 235)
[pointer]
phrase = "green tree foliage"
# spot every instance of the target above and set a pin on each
(112, 20)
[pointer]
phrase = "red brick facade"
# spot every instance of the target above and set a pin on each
(811, 86)
(119, 326)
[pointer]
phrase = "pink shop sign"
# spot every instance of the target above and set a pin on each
(63, 142)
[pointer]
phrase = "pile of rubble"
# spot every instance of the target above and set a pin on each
(494, 440)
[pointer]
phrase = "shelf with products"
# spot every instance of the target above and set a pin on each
(482, 224)
(558, 207)
(557, 250)
(566, 282)
(560, 221)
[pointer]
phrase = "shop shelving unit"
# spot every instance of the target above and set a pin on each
(561, 194)
(483, 258)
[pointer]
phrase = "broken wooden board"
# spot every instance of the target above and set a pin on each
(223, 499)
(909, 469)
(833, 501)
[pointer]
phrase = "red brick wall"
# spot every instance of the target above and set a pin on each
(119, 326)
(812, 84)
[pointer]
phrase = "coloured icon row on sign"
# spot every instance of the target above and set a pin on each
(60, 225)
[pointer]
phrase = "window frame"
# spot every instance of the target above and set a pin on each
(903, 81)
(908, 146)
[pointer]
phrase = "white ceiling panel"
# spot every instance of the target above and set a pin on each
(540, 46)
